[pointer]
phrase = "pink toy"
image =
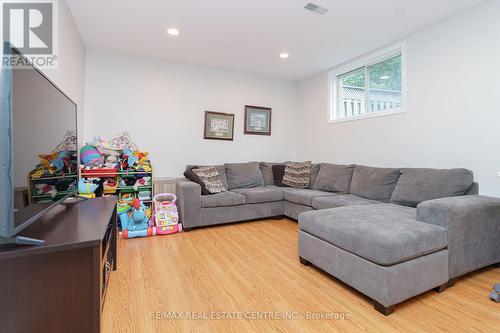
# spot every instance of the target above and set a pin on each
(166, 216)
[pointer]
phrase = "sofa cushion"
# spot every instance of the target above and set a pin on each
(304, 196)
(334, 178)
(261, 194)
(221, 169)
(297, 174)
(374, 183)
(416, 185)
(244, 175)
(227, 198)
(211, 179)
(340, 201)
(314, 173)
(266, 168)
(278, 173)
(385, 234)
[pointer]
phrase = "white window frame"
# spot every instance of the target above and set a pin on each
(365, 61)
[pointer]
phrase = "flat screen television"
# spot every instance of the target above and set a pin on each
(38, 146)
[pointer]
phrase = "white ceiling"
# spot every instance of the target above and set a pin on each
(248, 35)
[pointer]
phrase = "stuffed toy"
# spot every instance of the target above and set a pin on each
(130, 156)
(111, 162)
(143, 162)
(104, 147)
(90, 156)
(46, 189)
(61, 161)
(46, 163)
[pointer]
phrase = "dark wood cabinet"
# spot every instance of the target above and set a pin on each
(60, 286)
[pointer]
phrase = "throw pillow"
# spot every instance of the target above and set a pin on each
(266, 168)
(189, 174)
(297, 174)
(221, 169)
(278, 173)
(211, 179)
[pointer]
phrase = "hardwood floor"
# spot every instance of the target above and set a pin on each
(251, 269)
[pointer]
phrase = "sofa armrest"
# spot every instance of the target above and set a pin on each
(188, 202)
(472, 223)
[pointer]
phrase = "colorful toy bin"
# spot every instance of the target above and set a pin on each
(165, 213)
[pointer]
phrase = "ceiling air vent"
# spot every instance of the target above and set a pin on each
(315, 8)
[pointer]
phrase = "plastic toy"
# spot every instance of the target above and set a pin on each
(87, 187)
(135, 222)
(126, 197)
(90, 156)
(495, 293)
(166, 216)
(144, 195)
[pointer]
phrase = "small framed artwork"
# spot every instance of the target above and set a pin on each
(257, 120)
(219, 126)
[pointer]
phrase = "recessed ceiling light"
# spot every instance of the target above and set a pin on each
(284, 55)
(384, 77)
(173, 32)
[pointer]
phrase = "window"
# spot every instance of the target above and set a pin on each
(371, 87)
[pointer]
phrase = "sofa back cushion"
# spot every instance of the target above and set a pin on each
(221, 169)
(297, 174)
(416, 185)
(244, 175)
(374, 183)
(266, 168)
(334, 178)
(314, 173)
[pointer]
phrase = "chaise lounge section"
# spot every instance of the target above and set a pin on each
(390, 233)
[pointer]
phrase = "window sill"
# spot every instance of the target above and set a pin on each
(368, 116)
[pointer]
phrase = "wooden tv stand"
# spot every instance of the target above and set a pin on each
(60, 286)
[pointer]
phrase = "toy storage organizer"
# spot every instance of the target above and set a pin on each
(125, 192)
(44, 187)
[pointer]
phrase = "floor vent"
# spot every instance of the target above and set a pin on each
(315, 8)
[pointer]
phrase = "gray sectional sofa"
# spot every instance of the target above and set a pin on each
(390, 233)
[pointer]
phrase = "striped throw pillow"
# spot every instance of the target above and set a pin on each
(297, 174)
(211, 179)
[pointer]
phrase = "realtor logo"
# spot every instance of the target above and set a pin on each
(29, 26)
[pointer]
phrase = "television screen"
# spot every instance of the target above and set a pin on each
(43, 143)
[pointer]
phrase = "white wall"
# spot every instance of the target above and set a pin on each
(453, 116)
(162, 106)
(69, 76)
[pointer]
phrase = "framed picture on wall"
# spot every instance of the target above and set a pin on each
(257, 120)
(219, 126)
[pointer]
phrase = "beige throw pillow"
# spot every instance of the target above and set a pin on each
(297, 174)
(211, 179)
